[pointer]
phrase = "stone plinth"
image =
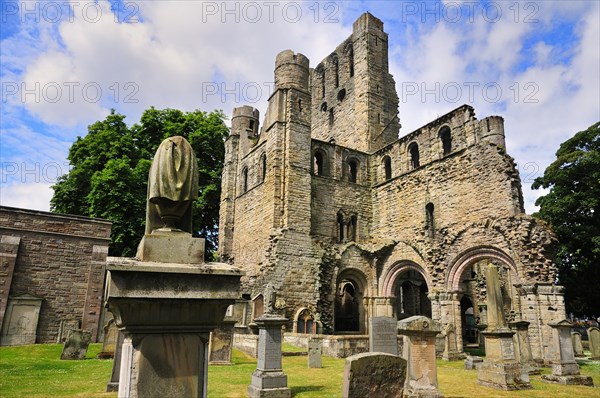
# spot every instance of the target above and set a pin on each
(268, 380)
(564, 368)
(166, 312)
(500, 368)
(374, 374)
(383, 335)
(421, 378)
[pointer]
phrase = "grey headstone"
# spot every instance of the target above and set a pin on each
(76, 345)
(383, 335)
(577, 344)
(594, 339)
(315, 348)
(471, 363)
(374, 375)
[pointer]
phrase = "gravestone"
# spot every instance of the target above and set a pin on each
(421, 379)
(383, 335)
(500, 368)
(65, 328)
(167, 300)
(109, 345)
(20, 320)
(221, 343)
(76, 345)
(577, 344)
(315, 350)
(268, 379)
(523, 347)
(594, 340)
(472, 362)
(564, 368)
(373, 374)
(451, 352)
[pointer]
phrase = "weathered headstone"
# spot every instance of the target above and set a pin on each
(594, 340)
(109, 345)
(20, 320)
(421, 376)
(451, 352)
(373, 374)
(564, 368)
(577, 344)
(167, 300)
(472, 362)
(221, 344)
(76, 345)
(500, 368)
(523, 347)
(65, 327)
(268, 379)
(113, 384)
(315, 350)
(383, 335)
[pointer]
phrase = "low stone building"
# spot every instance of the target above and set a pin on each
(350, 221)
(51, 274)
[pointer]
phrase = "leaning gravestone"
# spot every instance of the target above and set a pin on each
(109, 345)
(594, 339)
(374, 375)
(383, 335)
(76, 345)
(577, 344)
(315, 349)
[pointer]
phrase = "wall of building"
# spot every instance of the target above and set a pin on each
(59, 258)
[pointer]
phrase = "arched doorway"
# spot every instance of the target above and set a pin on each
(467, 317)
(349, 311)
(410, 291)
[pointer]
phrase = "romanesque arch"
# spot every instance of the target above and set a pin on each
(349, 310)
(408, 284)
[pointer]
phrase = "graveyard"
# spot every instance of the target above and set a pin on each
(36, 371)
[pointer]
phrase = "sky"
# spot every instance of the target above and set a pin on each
(66, 64)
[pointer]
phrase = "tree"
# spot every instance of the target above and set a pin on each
(572, 207)
(109, 172)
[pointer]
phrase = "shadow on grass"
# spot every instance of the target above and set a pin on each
(300, 389)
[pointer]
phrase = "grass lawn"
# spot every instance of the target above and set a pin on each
(36, 371)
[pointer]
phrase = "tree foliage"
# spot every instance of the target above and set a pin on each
(109, 172)
(572, 207)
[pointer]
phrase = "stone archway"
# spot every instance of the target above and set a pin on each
(349, 308)
(408, 286)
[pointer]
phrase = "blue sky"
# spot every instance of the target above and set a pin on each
(64, 65)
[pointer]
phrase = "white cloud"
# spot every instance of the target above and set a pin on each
(34, 196)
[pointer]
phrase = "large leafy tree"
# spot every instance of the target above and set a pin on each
(109, 172)
(572, 207)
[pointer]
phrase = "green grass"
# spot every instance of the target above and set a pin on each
(37, 371)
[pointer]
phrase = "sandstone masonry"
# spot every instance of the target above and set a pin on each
(349, 221)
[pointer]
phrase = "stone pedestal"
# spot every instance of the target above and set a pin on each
(421, 378)
(166, 312)
(500, 368)
(564, 368)
(268, 380)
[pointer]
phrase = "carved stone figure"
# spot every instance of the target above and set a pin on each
(172, 187)
(270, 299)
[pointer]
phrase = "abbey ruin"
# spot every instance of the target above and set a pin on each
(348, 221)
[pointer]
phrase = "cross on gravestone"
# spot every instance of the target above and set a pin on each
(383, 335)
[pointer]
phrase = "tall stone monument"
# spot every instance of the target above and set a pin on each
(421, 379)
(268, 380)
(500, 368)
(167, 300)
(564, 368)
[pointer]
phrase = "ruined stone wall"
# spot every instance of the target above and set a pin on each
(60, 258)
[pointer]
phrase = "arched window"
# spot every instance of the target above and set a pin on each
(340, 226)
(429, 219)
(446, 137)
(353, 170)
(331, 116)
(387, 167)
(244, 179)
(352, 228)
(336, 69)
(413, 150)
(349, 51)
(305, 323)
(320, 163)
(320, 70)
(263, 163)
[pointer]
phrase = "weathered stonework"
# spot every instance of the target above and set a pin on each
(58, 258)
(349, 221)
